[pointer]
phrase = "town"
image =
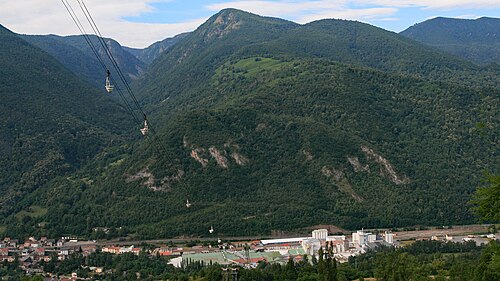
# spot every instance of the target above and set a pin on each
(31, 254)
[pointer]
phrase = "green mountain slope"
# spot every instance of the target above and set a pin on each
(75, 54)
(233, 33)
(50, 121)
(282, 145)
(149, 54)
(191, 62)
(476, 40)
(266, 125)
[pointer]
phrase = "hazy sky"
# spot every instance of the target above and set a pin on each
(139, 23)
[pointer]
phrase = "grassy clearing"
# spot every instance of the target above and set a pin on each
(253, 66)
(33, 211)
(117, 163)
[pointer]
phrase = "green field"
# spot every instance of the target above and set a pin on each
(33, 211)
(225, 257)
(252, 66)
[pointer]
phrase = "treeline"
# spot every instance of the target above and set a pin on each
(421, 261)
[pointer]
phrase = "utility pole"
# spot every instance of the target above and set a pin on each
(229, 274)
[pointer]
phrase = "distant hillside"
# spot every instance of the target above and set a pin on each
(149, 54)
(75, 54)
(50, 120)
(192, 61)
(235, 33)
(476, 40)
(266, 125)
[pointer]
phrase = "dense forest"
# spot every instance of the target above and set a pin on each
(266, 125)
(476, 40)
(51, 122)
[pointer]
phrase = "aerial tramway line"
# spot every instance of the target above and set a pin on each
(110, 84)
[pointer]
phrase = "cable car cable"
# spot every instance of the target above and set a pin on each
(80, 26)
(158, 146)
(115, 65)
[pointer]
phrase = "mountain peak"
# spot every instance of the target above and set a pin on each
(229, 20)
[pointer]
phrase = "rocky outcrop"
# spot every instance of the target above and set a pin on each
(354, 161)
(219, 157)
(332, 172)
(195, 154)
(308, 154)
(239, 159)
(152, 183)
(387, 170)
(224, 24)
(340, 180)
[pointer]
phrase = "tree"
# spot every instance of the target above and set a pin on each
(322, 266)
(331, 264)
(487, 200)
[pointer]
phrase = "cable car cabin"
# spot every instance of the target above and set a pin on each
(145, 130)
(211, 230)
(188, 204)
(109, 87)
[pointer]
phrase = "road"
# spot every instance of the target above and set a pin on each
(400, 235)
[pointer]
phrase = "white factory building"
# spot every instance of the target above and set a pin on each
(319, 238)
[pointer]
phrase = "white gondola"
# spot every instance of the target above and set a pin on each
(109, 87)
(188, 204)
(211, 230)
(145, 130)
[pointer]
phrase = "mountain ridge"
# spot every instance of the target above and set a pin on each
(75, 54)
(476, 40)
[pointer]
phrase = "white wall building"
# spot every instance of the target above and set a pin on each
(371, 238)
(389, 237)
(320, 234)
(360, 238)
(311, 246)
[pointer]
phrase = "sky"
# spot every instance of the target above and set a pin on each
(139, 23)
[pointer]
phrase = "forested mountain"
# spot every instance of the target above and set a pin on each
(76, 55)
(476, 40)
(265, 124)
(236, 33)
(149, 54)
(50, 121)
(286, 141)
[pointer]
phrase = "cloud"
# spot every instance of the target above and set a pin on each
(40, 17)
(307, 11)
(278, 8)
(303, 11)
(433, 4)
(45, 17)
(352, 14)
(468, 17)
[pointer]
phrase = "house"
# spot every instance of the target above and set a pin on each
(136, 251)
(40, 251)
(89, 249)
(111, 249)
(4, 251)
